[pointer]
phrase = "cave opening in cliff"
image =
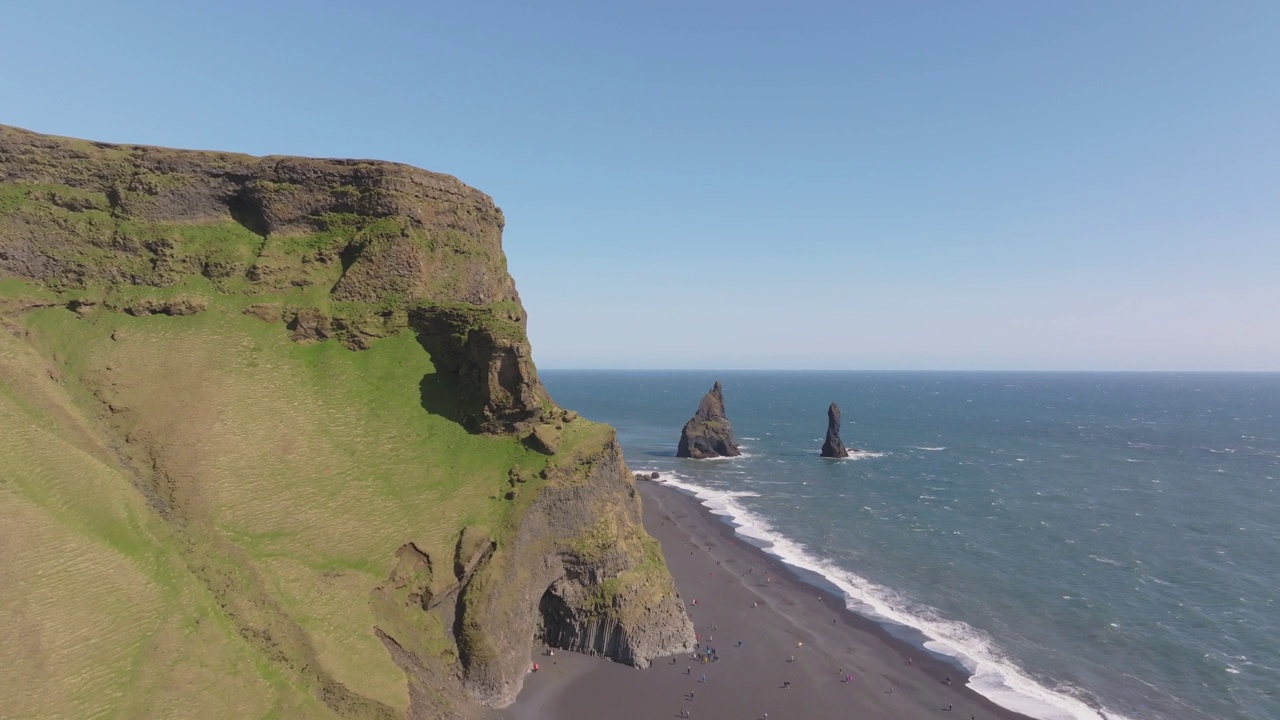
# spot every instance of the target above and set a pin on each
(555, 621)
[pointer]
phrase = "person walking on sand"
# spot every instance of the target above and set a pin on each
(704, 678)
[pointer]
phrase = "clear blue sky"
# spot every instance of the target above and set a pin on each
(899, 185)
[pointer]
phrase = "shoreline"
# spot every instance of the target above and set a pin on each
(803, 653)
(922, 659)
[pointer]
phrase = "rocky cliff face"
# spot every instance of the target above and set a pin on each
(708, 433)
(597, 580)
(832, 447)
(105, 213)
(352, 252)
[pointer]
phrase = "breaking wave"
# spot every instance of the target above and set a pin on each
(993, 674)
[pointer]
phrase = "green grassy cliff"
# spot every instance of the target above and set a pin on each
(272, 444)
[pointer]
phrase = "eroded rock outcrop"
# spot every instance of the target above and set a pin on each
(708, 433)
(486, 348)
(582, 560)
(832, 447)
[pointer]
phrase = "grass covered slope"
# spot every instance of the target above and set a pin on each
(100, 615)
(273, 446)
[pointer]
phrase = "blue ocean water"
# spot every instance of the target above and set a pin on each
(1090, 545)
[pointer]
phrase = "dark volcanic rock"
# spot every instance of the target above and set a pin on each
(708, 433)
(175, 307)
(832, 447)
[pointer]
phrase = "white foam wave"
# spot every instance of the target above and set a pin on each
(861, 455)
(929, 449)
(993, 675)
(726, 457)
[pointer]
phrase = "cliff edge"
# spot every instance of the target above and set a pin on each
(282, 414)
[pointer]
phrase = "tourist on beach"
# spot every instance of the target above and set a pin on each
(704, 678)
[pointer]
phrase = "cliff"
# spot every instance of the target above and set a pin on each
(281, 416)
(708, 433)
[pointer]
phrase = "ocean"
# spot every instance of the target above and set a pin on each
(1089, 545)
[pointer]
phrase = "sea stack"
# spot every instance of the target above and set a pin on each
(708, 433)
(832, 447)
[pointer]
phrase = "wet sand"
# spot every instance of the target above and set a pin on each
(790, 632)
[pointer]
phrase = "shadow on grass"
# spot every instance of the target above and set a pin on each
(440, 395)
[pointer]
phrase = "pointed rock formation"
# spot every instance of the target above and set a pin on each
(832, 447)
(708, 433)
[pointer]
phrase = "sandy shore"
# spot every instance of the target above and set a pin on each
(838, 664)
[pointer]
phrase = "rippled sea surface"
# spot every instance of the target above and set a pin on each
(1090, 545)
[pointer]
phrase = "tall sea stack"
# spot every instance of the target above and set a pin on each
(832, 447)
(708, 433)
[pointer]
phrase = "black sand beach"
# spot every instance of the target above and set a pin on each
(802, 654)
